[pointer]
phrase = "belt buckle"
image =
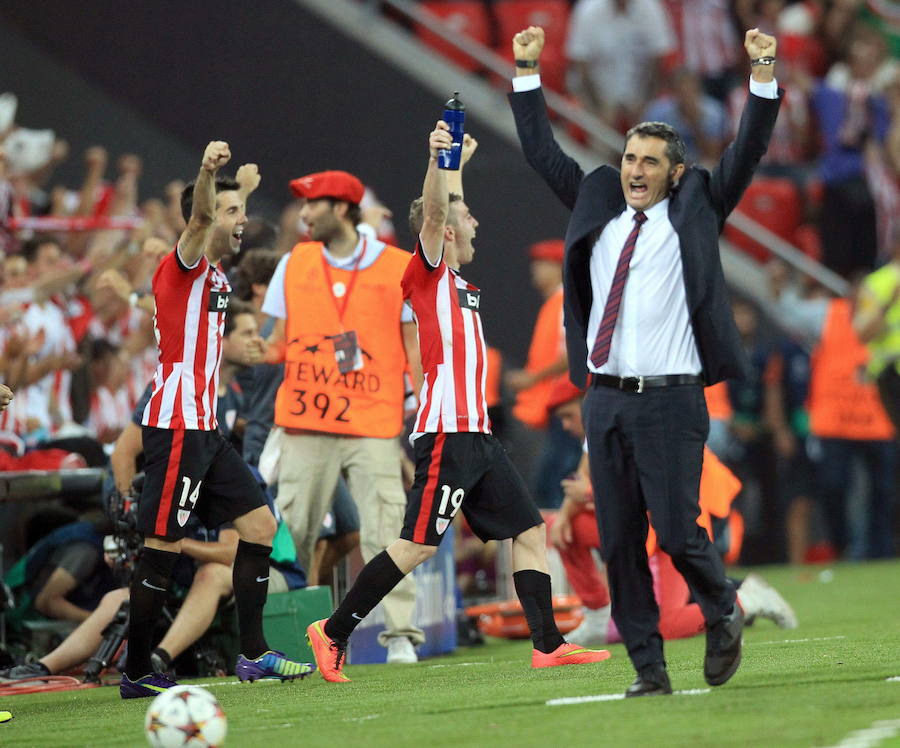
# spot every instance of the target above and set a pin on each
(640, 387)
(627, 380)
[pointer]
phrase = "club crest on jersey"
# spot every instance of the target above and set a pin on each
(441, 524)
(183, 516)
(469, 298)
(218, 301)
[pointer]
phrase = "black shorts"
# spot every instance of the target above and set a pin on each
(470, 471)
(195, 472)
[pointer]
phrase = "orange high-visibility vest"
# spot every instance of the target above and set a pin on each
(494, 370)
(547, 345)
(718, 489)
(842, 404)
(315, 395)
(717, 402)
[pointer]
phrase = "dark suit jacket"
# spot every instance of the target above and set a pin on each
(697, 211)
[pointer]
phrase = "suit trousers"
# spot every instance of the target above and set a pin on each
(308, 474)
(646, 453)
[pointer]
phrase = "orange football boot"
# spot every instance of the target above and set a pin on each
(328, 653)
(567, 654)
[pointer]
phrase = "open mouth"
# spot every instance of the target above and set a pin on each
(637, 189)
(238, 234)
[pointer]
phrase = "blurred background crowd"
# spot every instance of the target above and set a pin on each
(811, 435)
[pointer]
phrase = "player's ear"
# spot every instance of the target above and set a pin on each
(449, 233)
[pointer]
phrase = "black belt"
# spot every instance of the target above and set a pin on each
(639, 384)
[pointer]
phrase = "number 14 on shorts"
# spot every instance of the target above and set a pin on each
(452, 500)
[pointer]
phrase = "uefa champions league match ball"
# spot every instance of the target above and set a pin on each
(185, 717)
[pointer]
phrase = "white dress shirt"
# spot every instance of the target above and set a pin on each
(653, 333)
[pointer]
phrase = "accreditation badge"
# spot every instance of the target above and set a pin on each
(347, 352)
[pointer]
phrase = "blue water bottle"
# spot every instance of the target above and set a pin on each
(455, 116)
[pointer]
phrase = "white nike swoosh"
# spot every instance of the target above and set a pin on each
(358, 618)
(153, 586)
(262, 579)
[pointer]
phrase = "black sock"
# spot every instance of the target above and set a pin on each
(251, 585)
(147, 596)
(377, 578)
(164, 656)
(533, 590)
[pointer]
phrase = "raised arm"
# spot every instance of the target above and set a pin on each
(436, 197)
(248, 180)
(454, 178)
(735, 170)
(561, 172)
(193, 240)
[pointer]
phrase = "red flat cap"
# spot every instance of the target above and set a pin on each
(562, 392)
(337, 184)
(549, 249)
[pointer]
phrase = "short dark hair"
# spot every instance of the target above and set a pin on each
(675, 148)
(223, 184)
(236, 308)
(256, 266)
(101, 348)
(417, 215)
(354, 212)
(30, 248)
(259, 233)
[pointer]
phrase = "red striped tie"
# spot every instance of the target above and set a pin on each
(600, 353)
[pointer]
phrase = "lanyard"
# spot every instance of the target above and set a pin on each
(341, 308)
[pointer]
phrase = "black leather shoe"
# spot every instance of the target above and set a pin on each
(652, 680)
(723, 647)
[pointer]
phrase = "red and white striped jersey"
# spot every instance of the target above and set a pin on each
(110, 413)
(706, 35)
(189, 324)
(451, 341)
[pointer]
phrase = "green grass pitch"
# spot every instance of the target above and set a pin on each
(836, 674)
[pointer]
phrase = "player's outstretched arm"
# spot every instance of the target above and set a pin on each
(248, 179)
(436, 198)
(193, 241)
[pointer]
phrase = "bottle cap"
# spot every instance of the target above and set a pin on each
(455, 103)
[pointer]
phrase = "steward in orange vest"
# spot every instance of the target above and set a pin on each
(842, 403)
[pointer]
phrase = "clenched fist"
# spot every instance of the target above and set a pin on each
(6, 396)
(248, 178)
(528, 44)
(216, 155)
(439, 139)
(759, 44)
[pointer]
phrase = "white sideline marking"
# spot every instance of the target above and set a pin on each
(616, 697)
(893, 679)
(871, 736)
(801, 641)
(458, 664)
(364, 718)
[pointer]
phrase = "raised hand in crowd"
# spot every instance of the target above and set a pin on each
(6, 396)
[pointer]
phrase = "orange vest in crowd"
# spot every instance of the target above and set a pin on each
(718, 489)
(842, 404)
(494, 370)
(717, 402)
(315, 395)
(547, 345)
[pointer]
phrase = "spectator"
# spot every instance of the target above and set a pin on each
(698, 117)
(110, 404)
(850, 112)
(547, 360)
(616, 49)
(708, 42)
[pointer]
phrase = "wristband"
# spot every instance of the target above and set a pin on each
(763, 61)
(526, 63)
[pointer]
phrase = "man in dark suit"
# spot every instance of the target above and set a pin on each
(647, 315)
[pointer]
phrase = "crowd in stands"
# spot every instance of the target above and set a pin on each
(812, 441)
